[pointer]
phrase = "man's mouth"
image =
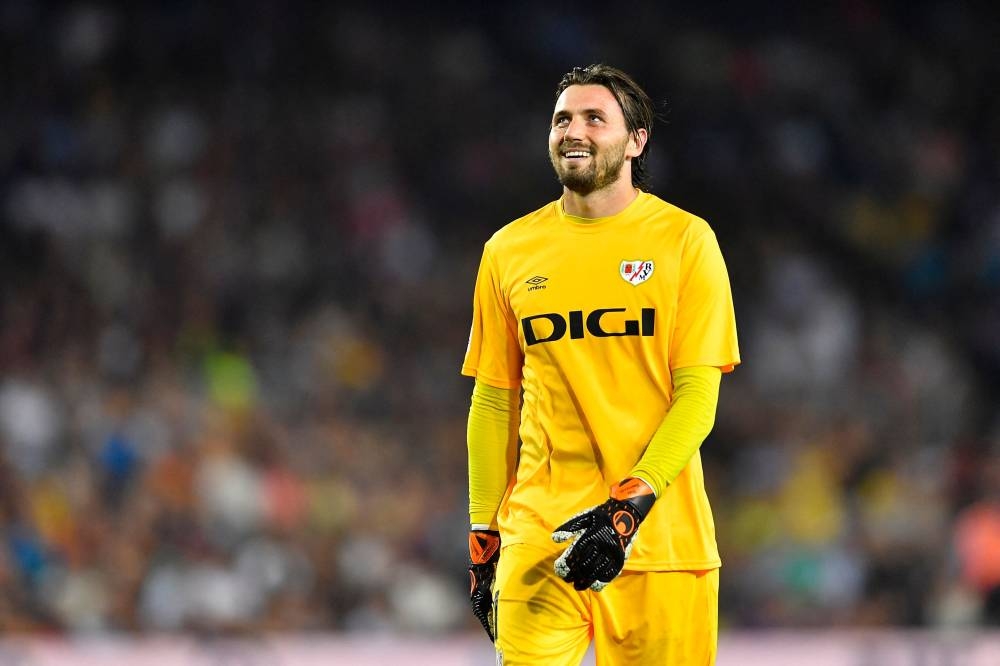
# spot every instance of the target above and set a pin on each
(576, 154)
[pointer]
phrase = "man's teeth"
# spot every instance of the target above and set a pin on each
(577, 153)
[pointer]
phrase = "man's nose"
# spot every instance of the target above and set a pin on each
(574, 130)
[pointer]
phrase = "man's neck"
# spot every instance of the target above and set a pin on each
(605, 202)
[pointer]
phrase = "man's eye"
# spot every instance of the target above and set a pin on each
(561, 122)
(594, 118)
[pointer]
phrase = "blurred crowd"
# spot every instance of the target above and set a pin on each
(238, 245)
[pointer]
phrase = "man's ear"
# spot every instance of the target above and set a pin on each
(637, 141)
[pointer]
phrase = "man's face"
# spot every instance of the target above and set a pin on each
(589, 141)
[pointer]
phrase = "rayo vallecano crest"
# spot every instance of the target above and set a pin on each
(636, 271)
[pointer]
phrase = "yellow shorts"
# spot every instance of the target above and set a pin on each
(667, 618)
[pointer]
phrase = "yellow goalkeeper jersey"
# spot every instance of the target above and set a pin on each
(589, 317)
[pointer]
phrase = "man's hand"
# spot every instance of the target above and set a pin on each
(484, 553)
(603, 536)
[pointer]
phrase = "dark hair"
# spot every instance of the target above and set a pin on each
(635, 103)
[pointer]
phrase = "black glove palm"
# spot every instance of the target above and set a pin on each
(484, 553)
(603, 536)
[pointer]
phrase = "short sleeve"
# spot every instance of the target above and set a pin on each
(705, 331)
(494, 354)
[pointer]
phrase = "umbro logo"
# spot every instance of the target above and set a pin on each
(536, 283)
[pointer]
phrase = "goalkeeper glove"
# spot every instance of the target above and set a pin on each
(603, 536)
(484, 553)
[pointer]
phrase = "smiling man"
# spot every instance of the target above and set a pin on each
(601, 326)
(587, 146)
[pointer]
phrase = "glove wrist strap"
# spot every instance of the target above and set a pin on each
(484, 546)
(635, 492)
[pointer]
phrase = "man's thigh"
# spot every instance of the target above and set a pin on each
(541, 619)
(668, 618)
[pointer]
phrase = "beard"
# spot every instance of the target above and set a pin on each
(604, 169)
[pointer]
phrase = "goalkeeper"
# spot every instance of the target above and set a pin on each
(602, 324)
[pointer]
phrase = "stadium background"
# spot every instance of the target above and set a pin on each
(237, 249)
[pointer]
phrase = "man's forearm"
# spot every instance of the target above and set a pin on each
(492, 441)
(686, 425)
